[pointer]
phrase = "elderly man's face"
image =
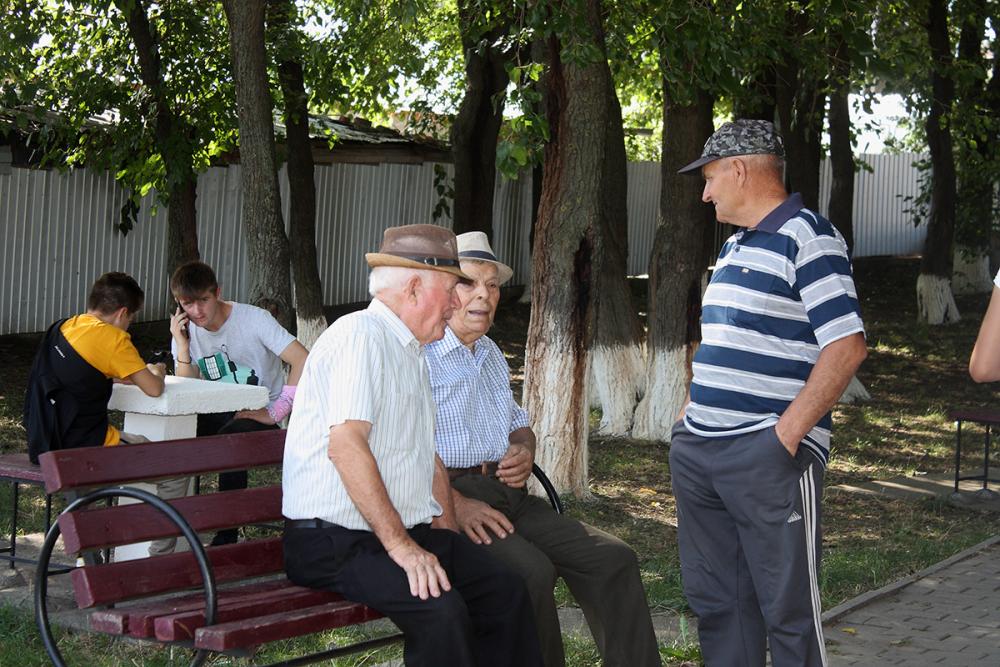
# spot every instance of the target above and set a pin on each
(436, 301)
(477, 302)
(720, 187)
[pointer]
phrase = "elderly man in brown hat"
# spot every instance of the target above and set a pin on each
(366, 500)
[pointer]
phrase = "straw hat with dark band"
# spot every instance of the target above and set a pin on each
(427, 247)
(476, 246)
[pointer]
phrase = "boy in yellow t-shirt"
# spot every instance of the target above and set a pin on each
(70, 382)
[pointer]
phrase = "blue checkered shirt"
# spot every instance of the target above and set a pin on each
(476, 411)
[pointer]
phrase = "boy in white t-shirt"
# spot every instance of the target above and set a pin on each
(226, 341)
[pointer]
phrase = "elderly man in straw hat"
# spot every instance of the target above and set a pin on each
(483, 438)
(366, 501)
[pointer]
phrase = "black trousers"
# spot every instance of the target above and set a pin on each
(221, 423)
(485, 619)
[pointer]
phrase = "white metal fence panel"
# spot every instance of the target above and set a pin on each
(643, 211)
(59, 229)
(59, 236)
(881, 225)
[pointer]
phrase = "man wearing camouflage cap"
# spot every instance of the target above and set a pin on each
(781, 338)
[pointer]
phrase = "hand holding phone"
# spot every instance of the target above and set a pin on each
(179, 324)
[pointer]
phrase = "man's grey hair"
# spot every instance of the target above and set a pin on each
(772, 163)
(384, 278)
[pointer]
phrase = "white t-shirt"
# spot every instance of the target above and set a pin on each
(245, 350)
(367, 366)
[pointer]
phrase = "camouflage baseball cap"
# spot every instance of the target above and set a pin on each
(745, 136)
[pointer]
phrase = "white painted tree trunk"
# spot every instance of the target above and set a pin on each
(617, 381)
(971, 274)
(557, 417)
(666, 388)
(855, 392)
(935, 302)
(309, 329)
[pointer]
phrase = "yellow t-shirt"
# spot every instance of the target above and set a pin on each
(106, 348)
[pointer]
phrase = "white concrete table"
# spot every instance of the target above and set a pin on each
(173, 415)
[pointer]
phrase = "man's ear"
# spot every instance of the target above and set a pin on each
(740, 169)
(413, 286)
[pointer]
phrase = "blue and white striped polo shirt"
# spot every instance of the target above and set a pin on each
(780, 292)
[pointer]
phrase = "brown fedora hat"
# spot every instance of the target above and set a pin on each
(427, 247)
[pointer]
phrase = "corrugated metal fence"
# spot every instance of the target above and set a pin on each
(59, 233)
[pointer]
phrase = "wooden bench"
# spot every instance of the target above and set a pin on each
(989, 419)
(241, 598)
(18, 470)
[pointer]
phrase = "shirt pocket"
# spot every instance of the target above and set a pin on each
(754, 300)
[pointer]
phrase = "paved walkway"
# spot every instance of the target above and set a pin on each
(948, 614)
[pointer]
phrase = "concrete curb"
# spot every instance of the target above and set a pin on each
(831, 616)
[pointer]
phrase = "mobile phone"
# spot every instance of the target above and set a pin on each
(185, 329)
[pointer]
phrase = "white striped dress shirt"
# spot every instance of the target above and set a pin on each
(367, 366)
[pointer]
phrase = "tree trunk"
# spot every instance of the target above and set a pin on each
(475, 129)
(570, 257)
(841, 209)
(538, 54)
(935, 301)
(173, 140)
(975, 200)
(267, 245)
(800, 111)
(536, 197)
(617, 363)
(182, 223)
(310, 319)
(677, 268)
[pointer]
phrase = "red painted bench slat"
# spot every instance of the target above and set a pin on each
(978, 415)
(182, 626)
(263, 629)
(136, 619)
(110, 526)
(107, 466)
(18, 467)
(104, 584)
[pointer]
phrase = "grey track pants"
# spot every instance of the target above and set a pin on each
(749, 535)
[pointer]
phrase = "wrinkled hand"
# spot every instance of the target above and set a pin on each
(259, 415)
(514, 468)
(475, 517)
(426, 576)
(159, 370)
(179, 324)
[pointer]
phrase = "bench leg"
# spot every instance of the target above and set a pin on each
(958, 450)
(986, 458)
(13, 527)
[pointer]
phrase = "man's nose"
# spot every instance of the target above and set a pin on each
(704, 195)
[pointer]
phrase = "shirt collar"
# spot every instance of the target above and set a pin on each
(396, 325)
(452, 344)
(787, 209)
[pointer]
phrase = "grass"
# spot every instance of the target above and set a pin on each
(915, 373)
